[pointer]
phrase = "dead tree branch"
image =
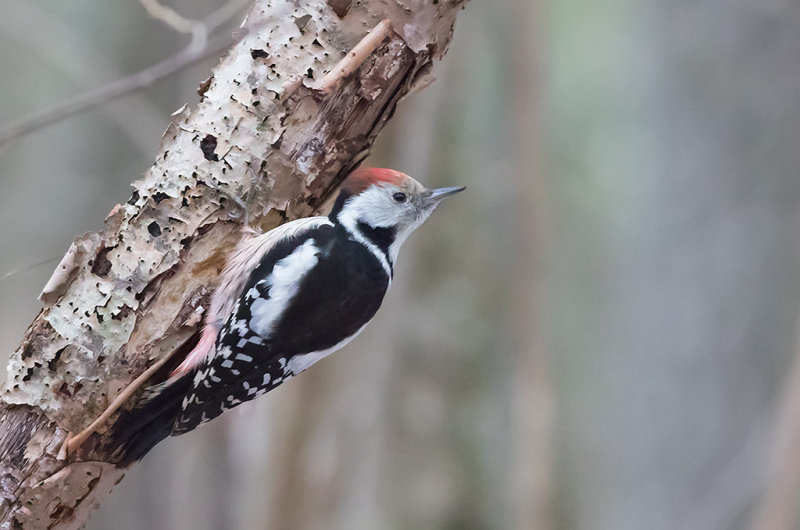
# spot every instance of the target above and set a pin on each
(131, 294)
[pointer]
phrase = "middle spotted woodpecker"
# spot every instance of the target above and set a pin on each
(286, 299)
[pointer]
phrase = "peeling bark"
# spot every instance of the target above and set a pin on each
(129, 295)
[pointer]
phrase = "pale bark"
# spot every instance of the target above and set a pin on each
(131, 294)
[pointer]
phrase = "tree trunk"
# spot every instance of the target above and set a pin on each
(288, 112)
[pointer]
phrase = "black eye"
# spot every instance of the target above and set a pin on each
(399, 197)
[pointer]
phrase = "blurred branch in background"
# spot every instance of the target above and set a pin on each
(198, 49)
(731, 494)
(532, 397)
(779, 508)
(84, 67)
(179, 23)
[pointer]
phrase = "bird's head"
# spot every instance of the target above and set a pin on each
(385, 206)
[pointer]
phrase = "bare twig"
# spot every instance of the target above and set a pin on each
(224, 13)
(14, 272)
(73, 442)
(79, 66)
(199, 48)
(170, 17)
(178, 22)
(356, 56)
(114, 90)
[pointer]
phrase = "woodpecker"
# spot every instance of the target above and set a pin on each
(285, 300)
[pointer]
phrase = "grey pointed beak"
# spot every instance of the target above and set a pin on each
(440, 193)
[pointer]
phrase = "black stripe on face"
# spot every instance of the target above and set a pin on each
(381, 237)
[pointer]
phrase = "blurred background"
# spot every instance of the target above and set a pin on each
(601, 334)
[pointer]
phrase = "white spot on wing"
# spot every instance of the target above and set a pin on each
(248, 255)
(283, 284)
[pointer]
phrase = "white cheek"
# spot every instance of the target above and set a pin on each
(376, 208)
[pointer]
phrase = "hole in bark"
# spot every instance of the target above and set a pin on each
(124, 311)
(101, 264)
(53, 363)
(26, 352)
(340, 7)
(160, 196)
(208, 145)
(258, 54)
(301, 22)
(154, 229)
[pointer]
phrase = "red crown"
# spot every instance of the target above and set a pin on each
(364, 177)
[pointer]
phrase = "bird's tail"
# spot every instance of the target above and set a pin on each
(138, 430)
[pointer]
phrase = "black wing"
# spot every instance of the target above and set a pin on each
(333, 302)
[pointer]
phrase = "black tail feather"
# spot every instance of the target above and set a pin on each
(138, 430)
